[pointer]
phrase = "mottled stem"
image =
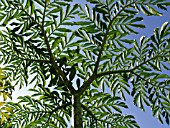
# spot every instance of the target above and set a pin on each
(76, 111)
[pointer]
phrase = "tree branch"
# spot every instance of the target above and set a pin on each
(63, 76)
(56, 109)
(88, 111)
(52, 60)
(157, 56)
(105, 39)
(142, 78)
(94, 75)
(144, 62)
(125, 71)
(113, 72)
(86, 84)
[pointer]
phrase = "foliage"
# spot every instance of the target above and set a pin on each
(42, 44)
(5, 91)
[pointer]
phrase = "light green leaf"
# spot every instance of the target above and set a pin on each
(55, 10)
(111, 1)
(162, 76)
(153, 11)
(64, 30)
(87, 8)
(56, 42)
(163, 28)
(145, 11)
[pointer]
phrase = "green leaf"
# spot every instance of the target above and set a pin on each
(74, 7)
(59, 34)
(56, 42)
(87, 8)
(162, 76)
(163, 29)
(68, 23)
(78, 83)
(47, 23)
(155, 67)
(127, 41)
(131, 30)
(117, 109)
(72, 72)
(145, 11)
(146, 69)
(165, 67)
(161, 6)
(159, 118)
(138, 25)
(100, 10)
(133, 12)
(136, 19)
(81, 23)
(136, 7)
(27, 4)
(32, 7)
(55, 10)
(90, 29)
(40, 3)
(111, 1)
(153, 11)
(167, 3)
(64, 30)
(92, 1)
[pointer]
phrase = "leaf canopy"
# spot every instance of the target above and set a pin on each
(65, 49)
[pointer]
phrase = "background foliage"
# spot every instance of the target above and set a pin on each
(60, 47)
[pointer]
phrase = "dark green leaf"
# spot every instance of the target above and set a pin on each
(145, 11)
(133, 12)
(138, 25)
(128, 41)
(78, 82)
(72, 72)
(100, 10)
(136, 19)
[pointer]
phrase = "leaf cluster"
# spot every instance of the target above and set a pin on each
(42, 44)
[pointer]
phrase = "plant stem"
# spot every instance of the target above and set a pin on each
(76, 111)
